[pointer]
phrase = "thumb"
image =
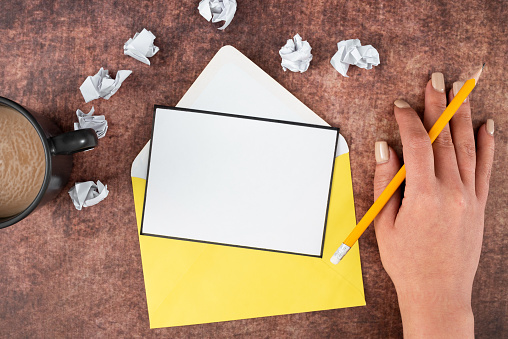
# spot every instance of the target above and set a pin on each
(387, 165)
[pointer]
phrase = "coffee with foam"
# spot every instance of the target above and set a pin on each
(22, 162)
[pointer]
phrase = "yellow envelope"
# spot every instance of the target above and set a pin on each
(192, 283)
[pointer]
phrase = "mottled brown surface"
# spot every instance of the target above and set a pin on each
(68, 273)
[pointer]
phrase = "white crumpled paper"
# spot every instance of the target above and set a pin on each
(141, 47)
(351, 52)
(218, 10)
(101, 85)
(97, 122)
(86, 194)
(296, 55)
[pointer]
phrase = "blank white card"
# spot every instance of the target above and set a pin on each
(239, 181)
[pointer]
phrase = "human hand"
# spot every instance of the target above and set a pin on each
(430, 243)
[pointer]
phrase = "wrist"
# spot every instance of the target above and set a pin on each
(436, 313)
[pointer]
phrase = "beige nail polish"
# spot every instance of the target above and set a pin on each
(401, 104)
(489, 126)
(382, 152)
(457, 85)
(438, 82)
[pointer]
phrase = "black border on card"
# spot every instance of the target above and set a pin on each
(249, 118)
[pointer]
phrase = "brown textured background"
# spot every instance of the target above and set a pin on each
(68, 273)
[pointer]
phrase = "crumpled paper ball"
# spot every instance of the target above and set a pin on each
(351, 52)
(218, 10)
(296, 55)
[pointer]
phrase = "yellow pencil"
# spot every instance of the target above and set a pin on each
(401, 174)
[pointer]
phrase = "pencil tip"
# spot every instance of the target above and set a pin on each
(476, 76)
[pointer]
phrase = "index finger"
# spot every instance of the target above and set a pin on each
(417, 148)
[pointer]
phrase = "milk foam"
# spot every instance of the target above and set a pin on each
(22, 162)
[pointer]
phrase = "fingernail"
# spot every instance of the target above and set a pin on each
(382, 152)
(401, 104)
(489, 126)
(438, 82)
(457, 85)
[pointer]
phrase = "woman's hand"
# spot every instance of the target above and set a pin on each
(430, 243)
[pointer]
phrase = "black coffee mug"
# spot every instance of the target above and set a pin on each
(58, 150)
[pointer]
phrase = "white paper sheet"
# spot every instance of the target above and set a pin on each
(101, 85)
(239, 181)
(141, 47)
(97, 122)
(296, 55)
(218, 10)
(351, 52)
(86, 194)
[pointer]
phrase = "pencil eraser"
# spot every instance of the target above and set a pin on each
(335, 259)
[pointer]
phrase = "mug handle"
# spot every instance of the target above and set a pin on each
(73, 142)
